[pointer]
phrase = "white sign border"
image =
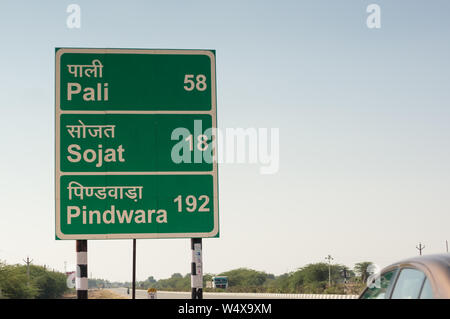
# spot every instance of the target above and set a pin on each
(58, 173)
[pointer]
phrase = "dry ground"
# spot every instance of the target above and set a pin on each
(96, 294)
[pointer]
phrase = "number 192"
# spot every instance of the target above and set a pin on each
(191, 203)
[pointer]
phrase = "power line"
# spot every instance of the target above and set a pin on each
(329, 258)
(420, 248)
(28, 262)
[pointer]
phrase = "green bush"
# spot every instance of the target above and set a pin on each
(310, 279)
(42, 284)
(14, 284)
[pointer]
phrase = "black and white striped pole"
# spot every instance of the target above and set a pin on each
(196, 269)
(81, 282)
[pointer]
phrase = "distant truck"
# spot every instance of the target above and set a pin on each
(220, 282)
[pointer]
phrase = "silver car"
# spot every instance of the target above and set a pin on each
(424, 277)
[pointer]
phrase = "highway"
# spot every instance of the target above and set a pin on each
(142, 294)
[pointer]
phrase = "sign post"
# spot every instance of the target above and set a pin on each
(135, 144)
(196, 269)
(133, 293)
(81, 281)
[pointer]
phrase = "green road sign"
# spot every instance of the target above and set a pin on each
(134, 144)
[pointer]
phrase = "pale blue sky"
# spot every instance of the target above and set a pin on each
(363, 115)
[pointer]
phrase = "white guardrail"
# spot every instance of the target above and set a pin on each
(248, 295)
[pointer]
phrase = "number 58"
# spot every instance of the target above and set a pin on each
(199, 83)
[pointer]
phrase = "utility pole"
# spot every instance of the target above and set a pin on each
(28, 262)
(329, 259)
(420, 248)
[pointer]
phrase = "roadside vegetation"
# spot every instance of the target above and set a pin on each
(310, 279)
(40, 284)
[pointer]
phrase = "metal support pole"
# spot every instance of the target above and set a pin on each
(196, 268)
(81, 281)
(133, 294)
